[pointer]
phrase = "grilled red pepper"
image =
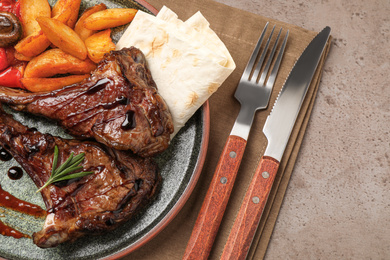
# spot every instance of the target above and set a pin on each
(11, 70)
(10, 6)
(6, 54)
(4, 62)
(11, 78)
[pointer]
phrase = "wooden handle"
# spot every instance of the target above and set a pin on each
(248, 218)
(214, 205)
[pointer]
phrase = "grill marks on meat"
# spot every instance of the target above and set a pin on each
(118, 105)
(122, 183)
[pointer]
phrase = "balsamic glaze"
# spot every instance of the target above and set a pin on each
(119, 101)
(138, 184)
(32, 129)
(100, 84)
(110, 222)
(5, 155)
(15, 173)
(129, 122)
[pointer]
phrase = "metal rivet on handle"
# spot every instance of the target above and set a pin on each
(265, 175)
(232, 154)
(256, 200)
(223, 180)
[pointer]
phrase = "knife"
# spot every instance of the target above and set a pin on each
(277, 130)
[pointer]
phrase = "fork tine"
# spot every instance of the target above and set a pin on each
(274, 72)
(271, 56)
(251, 62)
(261, 60)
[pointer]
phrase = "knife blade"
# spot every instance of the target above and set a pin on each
(277, 129)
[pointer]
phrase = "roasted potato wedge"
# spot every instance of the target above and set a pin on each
(56, 61)
(29, 11)
(63, 37)
(109, 18)
(62, 6)
(36, 43)
(21, 57)
(64, 16)
(50, 84)
(21, 66)
(79, 28)
(98, 44)
(33, 45)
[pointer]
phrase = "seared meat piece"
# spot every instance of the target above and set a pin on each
(118, 105)
(122, 183)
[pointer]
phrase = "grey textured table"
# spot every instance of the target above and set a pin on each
(337, 205)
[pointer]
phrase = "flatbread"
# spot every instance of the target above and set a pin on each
(187, 59)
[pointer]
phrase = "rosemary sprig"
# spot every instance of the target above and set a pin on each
(63, 171)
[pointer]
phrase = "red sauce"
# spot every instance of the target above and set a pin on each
(10, 232)
(11, 202)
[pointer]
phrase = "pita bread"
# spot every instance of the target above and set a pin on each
(187, 59)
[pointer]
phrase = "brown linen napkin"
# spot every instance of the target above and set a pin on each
(239, 30)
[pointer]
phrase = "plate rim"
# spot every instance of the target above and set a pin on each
(147, 6)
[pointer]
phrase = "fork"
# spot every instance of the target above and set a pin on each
(253, 93)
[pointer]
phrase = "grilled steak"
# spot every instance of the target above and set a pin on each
(118, 105)
(121, 184)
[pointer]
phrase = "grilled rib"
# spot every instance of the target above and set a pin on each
(118, 105)
(121, 184)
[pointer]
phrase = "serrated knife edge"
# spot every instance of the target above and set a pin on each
(285, 110)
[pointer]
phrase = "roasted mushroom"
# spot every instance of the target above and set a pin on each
(10, 29)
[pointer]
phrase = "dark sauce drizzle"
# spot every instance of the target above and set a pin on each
(15, 173)
(138, 184)
(32, 129)
(5, 155)
(129, 122)
(100, 84)
(118, 101)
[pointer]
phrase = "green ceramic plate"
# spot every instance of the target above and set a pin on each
(180, 167)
